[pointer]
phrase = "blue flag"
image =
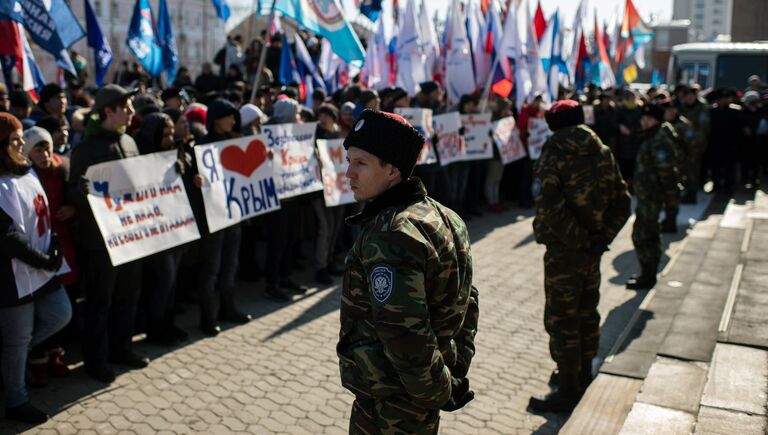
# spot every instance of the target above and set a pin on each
(167, 41)
(289, 73)
(222, 9)
(43, 27)
(371, 9)
(102, 53)
(70, 30)
(142, 39)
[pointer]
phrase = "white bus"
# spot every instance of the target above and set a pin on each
(718, 64)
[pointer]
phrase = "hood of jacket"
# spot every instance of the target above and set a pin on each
(576, 140)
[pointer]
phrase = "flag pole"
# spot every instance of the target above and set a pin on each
(487, 89)
(263, 56)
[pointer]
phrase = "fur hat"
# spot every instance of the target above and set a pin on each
(654, 111)
(389, 137)
(564, 113)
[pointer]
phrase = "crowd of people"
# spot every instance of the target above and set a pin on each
(46, 148)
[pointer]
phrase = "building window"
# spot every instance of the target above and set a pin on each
(715, 22)
(114, 10)
(97, 7)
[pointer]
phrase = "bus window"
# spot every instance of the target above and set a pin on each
(694, 73)
(733, 69)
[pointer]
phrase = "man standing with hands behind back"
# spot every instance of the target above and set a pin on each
(409, 311)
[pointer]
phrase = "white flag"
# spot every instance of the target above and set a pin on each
(459, 75)
(430, 44)
(410, 58)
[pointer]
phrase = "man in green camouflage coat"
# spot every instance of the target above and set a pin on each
(680, 129)
(655, 185)
(409, 312)
(581, 204)
(697, 111)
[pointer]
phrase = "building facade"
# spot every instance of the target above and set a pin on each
(710, 19)
(199, 34)
(749, 21)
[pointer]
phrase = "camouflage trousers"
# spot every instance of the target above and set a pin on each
(393, 416)
(572, 290)
(646, 232)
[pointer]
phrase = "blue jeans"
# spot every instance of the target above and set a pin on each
(23, 327)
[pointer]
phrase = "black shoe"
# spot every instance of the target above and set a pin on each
(130, 359)
(234, 316)
(292, 286)
(668, 226)
(101, 373)
(642, 282)
(211, 330)
(26, 413)
(273, 292)
(323, 277)
(556, 401)
(334, 271)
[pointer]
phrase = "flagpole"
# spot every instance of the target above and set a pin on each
(263, 56)
(487, 89)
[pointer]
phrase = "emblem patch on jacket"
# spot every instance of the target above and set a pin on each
(382, 282)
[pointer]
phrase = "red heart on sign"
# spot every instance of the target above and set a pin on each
(233, 158)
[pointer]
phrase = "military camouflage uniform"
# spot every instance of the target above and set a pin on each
(581, 204)
(677, 132)
(409, 312)
(696, 136)
(655, 185)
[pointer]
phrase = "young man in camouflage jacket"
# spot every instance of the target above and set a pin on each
(409, 312)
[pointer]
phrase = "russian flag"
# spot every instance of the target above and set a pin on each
(289, 72)
(14, 44)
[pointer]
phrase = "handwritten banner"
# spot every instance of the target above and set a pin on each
(421, 120)
(333, 159)
(296, 168)
(450, 144)
(538, 133)
(507, 138)
(477, 136)
(141, 206)
(238, 180)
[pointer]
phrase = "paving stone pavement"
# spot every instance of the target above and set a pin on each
(279, 374)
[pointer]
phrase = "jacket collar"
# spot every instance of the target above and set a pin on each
(405, 193)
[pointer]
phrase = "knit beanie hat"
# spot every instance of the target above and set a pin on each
(250, 113)
(564, 113)
(33, 136)
(389, 137)
(8, 124)
(197, 113)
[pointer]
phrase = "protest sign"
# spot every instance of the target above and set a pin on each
(477, 136)
(507, 138)
(238, 180)
(589, 114)
(140, 206)
(538, 133)
(296, 169)
(450, 145)
(333, 159)
(421, 120)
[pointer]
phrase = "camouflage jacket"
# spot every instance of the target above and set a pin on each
(409, 312)
(579, 191)
(655, 171)
(698, 115)
(681, 131)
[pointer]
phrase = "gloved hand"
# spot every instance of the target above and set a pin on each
(598, 244)
(55, 256)
(460, 394)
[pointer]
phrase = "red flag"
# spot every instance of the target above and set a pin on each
(9, 39)
(485, 4)
(539, 22)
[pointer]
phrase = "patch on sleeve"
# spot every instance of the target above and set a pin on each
(382, 281)
(661, 156)
(536, 187)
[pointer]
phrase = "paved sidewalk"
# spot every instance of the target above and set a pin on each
(279, 373)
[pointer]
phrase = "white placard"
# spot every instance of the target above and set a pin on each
(589, 114)
(538, 133)
(507, 138)
(477, 136)
(238, 180)
(140, 206)
(296, 168)
(333, 159)
(450, 145)
(421, 120)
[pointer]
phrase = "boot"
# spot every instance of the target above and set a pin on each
(229, 312)
(585, 374)
(26, 413)
(563, 399)
(669, 224)
(56, 366)
(647, 278)
(209, 306)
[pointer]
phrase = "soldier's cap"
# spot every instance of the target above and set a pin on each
(111, 94)
(667, 103)
(173, 93)
(654, 111)
(389, 137)
(564, 113)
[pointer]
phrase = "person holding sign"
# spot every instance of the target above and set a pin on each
(409, 311)
(33, 304)
(581, 205)
(112, 293)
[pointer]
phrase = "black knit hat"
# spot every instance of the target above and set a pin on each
(49, 91)
(328, 109)
(564, 113)
(654, 111)
(389, 137)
